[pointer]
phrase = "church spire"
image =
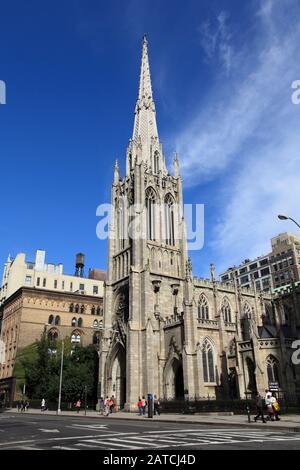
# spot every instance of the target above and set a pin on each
(145, 128)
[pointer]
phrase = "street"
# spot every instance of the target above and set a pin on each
(42, 432)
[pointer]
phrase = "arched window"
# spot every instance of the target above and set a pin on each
(95, 324)
(80, 322)
(71, 308)
(76, 308)
(226, 311)
(121, 213)
(156, 162)
(247, 311)
(82, 309)
(57, 320)
(52, 337)
(273, 369)
(208, 362)
(99, 311)
(150, 213)
(96, 338)
(74, 322)
(51, 320)
(169, 220)
(93, 310)
(203, 309)
(75, 338)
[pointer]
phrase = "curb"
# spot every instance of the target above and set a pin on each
(247, 425)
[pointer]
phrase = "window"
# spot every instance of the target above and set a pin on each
(208, 362)
(156, 162)
(63, 285)
(82, 309)
(244, 279)
(57, 320)
(253, 266)
(265, 272)
(95, 290)
(81, 287)
(71, 309)
(95, 324)
(51, 320)
(55, 284)
(263, 262)
(203, 310)
(80, 322)
(150, 213)
(38, 281)
(75, 339)
(169, 220)
(76, 308)
(226, 311)
(74, 322)
(273, 369)
(71, 286)
(99, 311)
(28, 280)
(44, 282)
(256, 275)
(93, 310)
(243, 270)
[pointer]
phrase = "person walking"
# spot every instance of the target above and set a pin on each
(140, 406)
(144, 404)
(78, 405)
(101, 406)
(106, 407)
(43, 404)
(260, 408)
(156, 404)
(19, 406)
(275, 406)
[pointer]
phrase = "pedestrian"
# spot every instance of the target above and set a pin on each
(268, 404)
(140, 406)
(78, 405)
(43, 404)
(27, 405)
(19, 406)
(275, 406)
(101, 406)
(106, 407)
(156, 403)
(111, 405)
(144, 404)
(260, 408)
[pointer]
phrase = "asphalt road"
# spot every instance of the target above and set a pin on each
(41, 432)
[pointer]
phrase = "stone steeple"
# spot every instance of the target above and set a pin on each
(145, 127)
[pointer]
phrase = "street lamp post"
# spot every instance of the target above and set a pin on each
(286, 217)
(60, 378)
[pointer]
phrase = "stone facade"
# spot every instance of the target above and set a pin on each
(166, 332)
(29, 311)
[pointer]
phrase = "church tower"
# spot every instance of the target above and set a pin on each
(149, 279)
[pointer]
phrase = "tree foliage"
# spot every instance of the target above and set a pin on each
(42, 371)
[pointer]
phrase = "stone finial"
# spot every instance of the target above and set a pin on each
(212, 272)
(116, 173)
(176, 165)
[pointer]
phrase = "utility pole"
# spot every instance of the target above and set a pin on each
(60, 379)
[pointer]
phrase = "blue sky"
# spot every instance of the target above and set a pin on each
(222, 74)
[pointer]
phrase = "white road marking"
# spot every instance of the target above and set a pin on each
(49, 430)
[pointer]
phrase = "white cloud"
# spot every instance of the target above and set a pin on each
(251, 131)
(216, 40)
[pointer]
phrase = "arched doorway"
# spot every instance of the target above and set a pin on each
(179, 384)
(174, 384)
(117, 376)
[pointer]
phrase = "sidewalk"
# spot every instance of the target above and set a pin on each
(288, 423)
